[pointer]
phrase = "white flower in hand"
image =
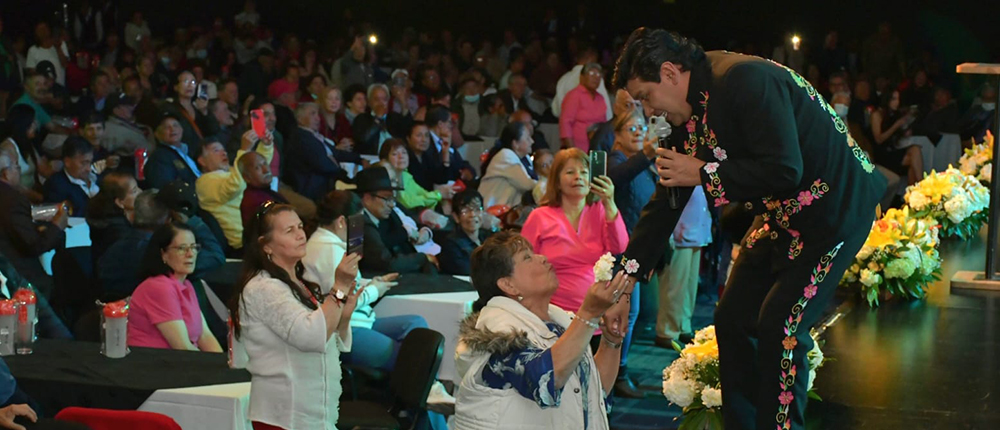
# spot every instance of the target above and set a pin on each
(603, 268)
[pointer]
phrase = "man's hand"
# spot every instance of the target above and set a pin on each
(8, 414)
(249, 139)
(677, 169)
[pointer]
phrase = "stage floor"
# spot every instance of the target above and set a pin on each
(931, 364)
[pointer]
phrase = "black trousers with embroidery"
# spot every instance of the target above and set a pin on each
(762, 325)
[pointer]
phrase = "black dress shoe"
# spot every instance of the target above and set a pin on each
(686, 338)
(664, 342)
(624, 387)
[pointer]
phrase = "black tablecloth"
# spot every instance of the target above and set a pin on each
(223, 282)
(71, 373)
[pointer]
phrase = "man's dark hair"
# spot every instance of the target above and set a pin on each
(465, 198)
(437, 115)
(336, 204)
(76, 145)
(413, 125)
(353, 90)
(92, 118)
(647, 49)
(440, 94)
(97, 75)
(840, 74)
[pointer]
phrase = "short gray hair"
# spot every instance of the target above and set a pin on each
(300, 110)
(373, 87)
(149, 212)
(591, 66)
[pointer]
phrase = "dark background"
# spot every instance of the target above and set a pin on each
(716, 23)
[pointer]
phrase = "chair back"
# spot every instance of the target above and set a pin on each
(73, 291)
(416, 367)
(106, 419)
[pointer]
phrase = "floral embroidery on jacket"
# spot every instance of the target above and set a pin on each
(714, 185)
(856, 150)
(782, 211)
(788, 369)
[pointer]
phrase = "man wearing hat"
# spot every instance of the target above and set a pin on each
(122, 135)
(171, 159)
(388, 245)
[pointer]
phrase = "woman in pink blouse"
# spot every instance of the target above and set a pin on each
(582, 108)
(580, 224)
(164, 307)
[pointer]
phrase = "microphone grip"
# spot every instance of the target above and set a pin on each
(673, 197)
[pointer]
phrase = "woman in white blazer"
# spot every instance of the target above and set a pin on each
(292, 332)
(506, 178)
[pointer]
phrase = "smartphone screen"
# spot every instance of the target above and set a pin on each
(598, 164)
(258, 123)
(202, 92)
(356, 234)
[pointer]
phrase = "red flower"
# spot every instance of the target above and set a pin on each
(790, 342)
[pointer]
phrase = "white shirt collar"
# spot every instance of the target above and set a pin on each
(371, 217)
(90, 190)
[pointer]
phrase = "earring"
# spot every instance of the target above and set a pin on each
(269, 258)
(520, 298)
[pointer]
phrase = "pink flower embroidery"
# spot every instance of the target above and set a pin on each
(710, 168)
(786, 398)
(720, 154)
(806, 198)
(690, 126)
(721, 201)
(810, 291)
(790, 342)
(631, 266)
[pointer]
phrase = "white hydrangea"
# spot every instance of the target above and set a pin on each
(900, 268)
(958, 208)
(603, 268)
(679, 391)
(869, 278)
(711, 397)
(929, 263)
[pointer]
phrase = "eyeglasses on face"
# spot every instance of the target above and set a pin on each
(471, 211)
(387, 200)
(183, 249)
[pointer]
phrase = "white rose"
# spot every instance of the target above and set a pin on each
(711, 397)
(865, 252)
(603, 267)
(869, 278)
(917, 200)
(679, 391)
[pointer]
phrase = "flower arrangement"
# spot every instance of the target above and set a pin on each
(899, 257)
(978, 160)
(957, 201)
(692, 380)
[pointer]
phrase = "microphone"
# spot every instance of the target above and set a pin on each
(660, 128)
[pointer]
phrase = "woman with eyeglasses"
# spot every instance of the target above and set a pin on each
(164, 307)
(456, 249)
(505, 177)
(292, 332)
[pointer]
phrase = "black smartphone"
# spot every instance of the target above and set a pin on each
(598, 164)
(356, 234)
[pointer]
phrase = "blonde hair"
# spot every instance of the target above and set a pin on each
(326, 93)
(553, 193)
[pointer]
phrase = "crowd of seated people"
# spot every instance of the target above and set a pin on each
(233, 142)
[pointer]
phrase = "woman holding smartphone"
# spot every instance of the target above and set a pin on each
(578, 225)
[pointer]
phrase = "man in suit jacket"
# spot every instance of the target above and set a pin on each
(49, 324)
(76, 183)
(314, 161)
(444, 163)
(515, 97)
(96, 100)
(387, 245)
(171, 159)
(22, 240)
(373, 128)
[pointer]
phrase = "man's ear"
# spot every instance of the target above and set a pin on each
(669, 72)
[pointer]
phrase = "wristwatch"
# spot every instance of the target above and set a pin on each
(338, 295)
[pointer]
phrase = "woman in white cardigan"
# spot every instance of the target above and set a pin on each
(292, 333)
(505, 177)
(526, 363)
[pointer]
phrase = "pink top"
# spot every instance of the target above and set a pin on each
(580, 110)
(160, 299)
(573, 254)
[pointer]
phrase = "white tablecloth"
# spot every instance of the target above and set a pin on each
(220, 407)
(443, 312)
(78, 234)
